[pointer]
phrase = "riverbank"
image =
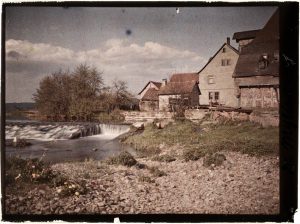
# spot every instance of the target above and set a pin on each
(171, 175)
(242, 185)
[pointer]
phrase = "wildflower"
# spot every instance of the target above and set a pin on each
(33, 175)
(77, 193)
(33, 166)
(58, 190)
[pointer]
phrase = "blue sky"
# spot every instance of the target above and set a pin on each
(132, 44)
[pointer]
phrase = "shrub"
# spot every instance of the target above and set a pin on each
(192, 154)
(164, 158)
(217, 159)
(30, 171)
(124, 159)
(156, 172)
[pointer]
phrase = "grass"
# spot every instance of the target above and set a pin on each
(198, 139)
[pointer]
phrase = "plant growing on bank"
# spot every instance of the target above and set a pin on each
(124, 159)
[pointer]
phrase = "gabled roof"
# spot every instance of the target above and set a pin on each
(245, 35)
(265, 42)
(174, 88)
(151, 95)
(184, 77)
(231, 47)
(157, 84)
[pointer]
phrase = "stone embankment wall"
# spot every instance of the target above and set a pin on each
(145, 116)
(265, 119)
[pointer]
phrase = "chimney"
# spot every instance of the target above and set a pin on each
(164, 82)
(228, 40)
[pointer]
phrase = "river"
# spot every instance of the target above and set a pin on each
(51, 141)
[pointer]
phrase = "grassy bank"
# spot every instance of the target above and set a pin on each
(201, 139)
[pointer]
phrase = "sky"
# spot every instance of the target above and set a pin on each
(131, 44)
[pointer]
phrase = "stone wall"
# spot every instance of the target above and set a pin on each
(137, 116)
(265, 119)
(259, 97)
(217, 78)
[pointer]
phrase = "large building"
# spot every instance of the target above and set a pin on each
(215, 78)
(256, 73)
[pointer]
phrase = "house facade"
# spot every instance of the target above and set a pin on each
(181, 91)
(149, 96)
(257, 70)
(215, 78)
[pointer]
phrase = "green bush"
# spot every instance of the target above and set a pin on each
(30, 171)
(124, 159)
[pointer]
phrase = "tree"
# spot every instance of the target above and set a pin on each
(121, 95)
(70, 95)
(87, 84)
(51, 98)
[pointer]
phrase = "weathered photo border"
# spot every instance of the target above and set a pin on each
(289, 95)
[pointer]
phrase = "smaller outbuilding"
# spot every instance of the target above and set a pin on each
(149, 96)
(182, 91)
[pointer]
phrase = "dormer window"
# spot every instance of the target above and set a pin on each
(225, 62)
(263, 61)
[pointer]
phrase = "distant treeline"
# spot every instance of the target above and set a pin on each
(77, 95)
(19, 106)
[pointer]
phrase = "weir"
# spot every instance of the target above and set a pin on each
(49, 131)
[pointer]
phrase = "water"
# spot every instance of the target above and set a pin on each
(49, 141)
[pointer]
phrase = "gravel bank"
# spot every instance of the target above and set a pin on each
(242, 185)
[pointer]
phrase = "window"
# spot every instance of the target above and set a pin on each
(224, 50)
(216, 96)
(263, 61)
(225, 62)
(211, 79)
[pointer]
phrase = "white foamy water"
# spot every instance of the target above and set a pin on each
(64, 131)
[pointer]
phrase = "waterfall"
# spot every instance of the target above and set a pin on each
(62, 131)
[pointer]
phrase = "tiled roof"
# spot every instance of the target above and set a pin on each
(266, 42)
(249, 34)
(151, 95)
(173, 88)
(184, 77)
(157, 84)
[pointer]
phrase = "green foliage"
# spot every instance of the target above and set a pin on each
(79, 94)
(30, 171)
(124, 159)
(198, 139)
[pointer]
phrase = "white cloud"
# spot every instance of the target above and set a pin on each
(116, 57)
